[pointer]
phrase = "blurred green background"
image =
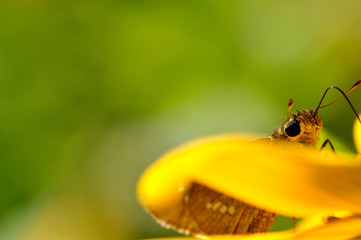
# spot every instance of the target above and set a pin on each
(92, 92)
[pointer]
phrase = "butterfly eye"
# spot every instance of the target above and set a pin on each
(292, 128)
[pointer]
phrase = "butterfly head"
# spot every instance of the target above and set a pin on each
(303, 126)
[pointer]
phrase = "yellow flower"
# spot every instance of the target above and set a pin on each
(357, 137)
(289, 180)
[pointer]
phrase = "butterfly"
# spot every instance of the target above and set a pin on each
(204, 211)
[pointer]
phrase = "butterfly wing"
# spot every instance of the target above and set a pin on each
(204, 211)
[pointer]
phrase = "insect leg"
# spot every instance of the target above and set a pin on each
(331, 219)
(325, 143)
(294, 223)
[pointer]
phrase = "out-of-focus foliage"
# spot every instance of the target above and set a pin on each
(91, 92)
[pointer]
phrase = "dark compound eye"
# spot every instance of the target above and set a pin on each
(292, 128)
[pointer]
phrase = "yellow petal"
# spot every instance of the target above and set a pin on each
(347, 228)
(357, 135)
(290, 180)
(318, 220)
(342, 229)
(165, 179)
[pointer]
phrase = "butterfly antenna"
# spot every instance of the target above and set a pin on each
(351, 89)
(344, 95)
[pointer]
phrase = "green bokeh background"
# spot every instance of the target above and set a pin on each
(92, 92)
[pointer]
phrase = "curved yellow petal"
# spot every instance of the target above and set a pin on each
(357, 134)
(166, 178)
(342, 229)
(290, 180)
(347, 228)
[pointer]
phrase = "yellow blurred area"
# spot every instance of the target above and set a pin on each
(263, 174)
(92, 92)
